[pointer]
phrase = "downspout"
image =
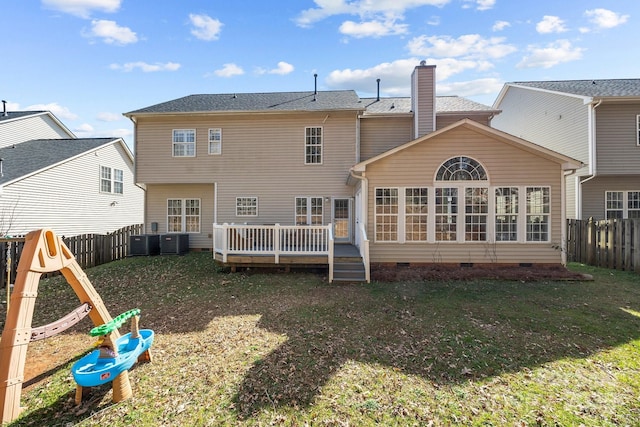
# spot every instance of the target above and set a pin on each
(592, 151)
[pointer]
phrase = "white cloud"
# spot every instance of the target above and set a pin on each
(550, 24)
(470, 88)
(119, 133)
(479, 4)
(84, 128)
(395, 76)
(83, 8)
(112, 33)
(229, 70)
(109, 117)
(373, 28)
(145, 67)
(553, 54)
(467, 46)
(205, 27)
(282, 69)
(434, 20)
(605, 19)
(500, 25)
(362, 8)
(57, 110)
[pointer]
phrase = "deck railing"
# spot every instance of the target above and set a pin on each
(276, 240)
(363, 244)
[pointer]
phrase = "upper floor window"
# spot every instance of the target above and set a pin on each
(111, 180)
(183, 215)
(313, 146)
(184, 143)
(246, 206)
(622, 204)
(309, 210)
(638, 129)
(461, 168)
(215, 141)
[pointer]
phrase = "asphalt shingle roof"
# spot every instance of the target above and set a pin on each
(273, 101)
(17, 114)
(444, 104)
(30, 156)
(591, 88)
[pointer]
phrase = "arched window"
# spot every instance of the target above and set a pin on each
(461, 168)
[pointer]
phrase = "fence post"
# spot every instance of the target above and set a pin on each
(636, 245)
(590, 253)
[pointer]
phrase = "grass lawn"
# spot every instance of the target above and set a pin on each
(291, 349)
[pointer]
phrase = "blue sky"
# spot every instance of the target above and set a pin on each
(89, 61)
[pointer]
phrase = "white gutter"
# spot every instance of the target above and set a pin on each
(592, 151)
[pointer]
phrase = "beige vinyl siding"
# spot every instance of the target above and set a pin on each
(262, 156)
(379, 134)
(506, 166)
(28, 128)
(593, 193)
(67, 198)
(444, 120)
(617, 139)
(156, 208)
(557, 122)
(423, 99)
(570, 197)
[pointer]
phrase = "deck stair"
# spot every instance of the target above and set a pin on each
(348, 265)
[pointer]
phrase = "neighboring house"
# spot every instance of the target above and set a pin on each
(594, 121)
(21, 126)
(71, 185)
(271, 177)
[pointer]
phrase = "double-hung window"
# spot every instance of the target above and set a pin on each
(538, 212)
(313, 146)
(246, 206)
(506, 219)
(416, 208)
(184, 143)
(476, 205)
(309, 211)
(111, 180)
(386, 216)
(215, 141)
(622, 204)
(183, 215)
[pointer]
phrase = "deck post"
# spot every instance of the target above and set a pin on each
(276, 243)
(225, 246)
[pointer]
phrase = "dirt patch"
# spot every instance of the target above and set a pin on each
(444, 273)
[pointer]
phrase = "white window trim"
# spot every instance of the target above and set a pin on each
(321, 145)
(183, 215)
(400, 218)
(209, 141)
(625, 202)
(309, 214)
(173, 142)
(112, 180)
(638, 130)
(402, 208)
(247, 197)
(460, 225)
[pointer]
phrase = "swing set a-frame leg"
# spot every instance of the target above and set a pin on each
(43, 252)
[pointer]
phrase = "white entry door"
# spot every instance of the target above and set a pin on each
(341, 219)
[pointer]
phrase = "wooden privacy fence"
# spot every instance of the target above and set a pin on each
(613, 243)
(90, 250)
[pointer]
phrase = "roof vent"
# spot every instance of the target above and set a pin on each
(423, 63)
(378, 81)
(593, 82)
(4, 108)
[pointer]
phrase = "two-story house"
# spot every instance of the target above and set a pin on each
(420, 179)
(594, 121)
(51, 179)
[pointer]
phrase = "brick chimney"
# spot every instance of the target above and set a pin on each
(423, 99)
